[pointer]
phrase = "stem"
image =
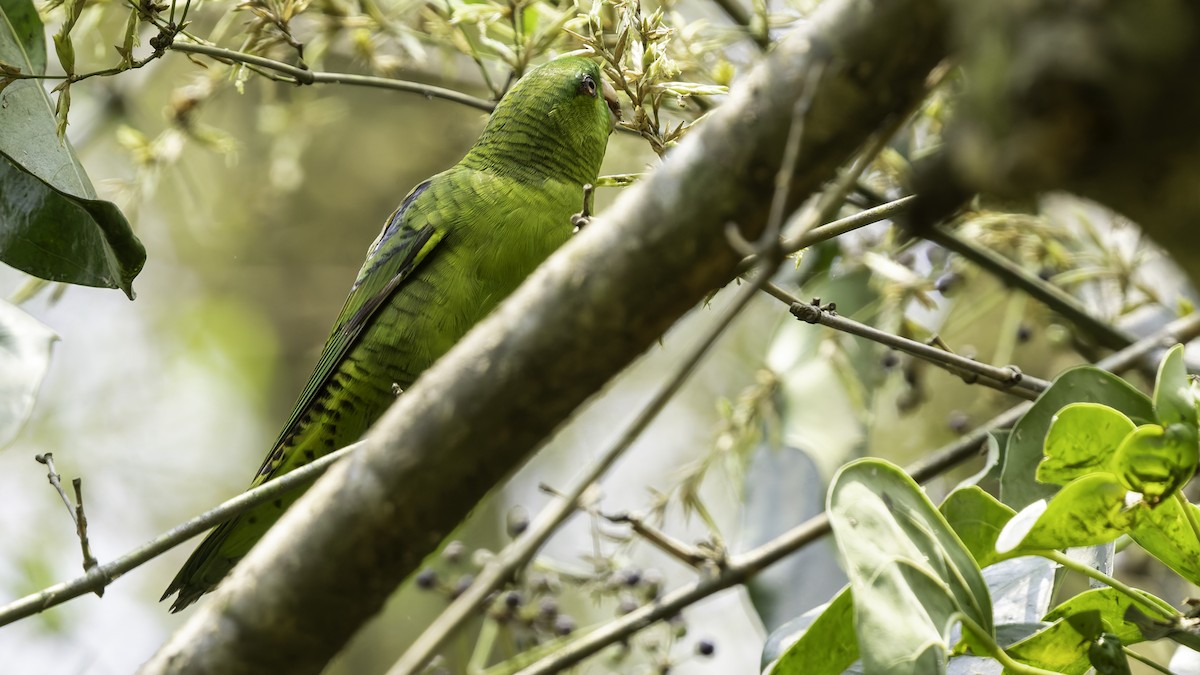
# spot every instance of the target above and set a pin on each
(1007, 379)
(305, 76)
(1146, 600)
(483, 646)
(1142, 659)
(996, 652)
(98, 577)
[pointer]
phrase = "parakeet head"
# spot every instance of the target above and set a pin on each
(554, 122)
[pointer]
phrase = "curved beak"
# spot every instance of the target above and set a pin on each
(614, 106)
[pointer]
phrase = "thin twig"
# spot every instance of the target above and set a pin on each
(56, 482)
(89, 560)
(848, 224)
(744, 566)
(1008, 378)
(100, 576)
(304, 76)
(75, 510)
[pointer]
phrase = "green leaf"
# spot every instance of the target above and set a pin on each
(1083, 438)
(827, 647)
(1079, 624)
(996, 441)
(1110, 606)
(1164, 533)
(1018, 484)
(909, 573)
(1089, 510)
(1063, 646)
(1173, 401)
(25, 345)
(57, 236)
(1156, 461)
(24, 35)
(51, 224)
(1059, 648)
(977, 518)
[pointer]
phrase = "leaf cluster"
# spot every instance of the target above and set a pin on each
(931, 585)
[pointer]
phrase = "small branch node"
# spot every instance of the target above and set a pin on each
(807, 312)
(78, 516)
(1015, 377)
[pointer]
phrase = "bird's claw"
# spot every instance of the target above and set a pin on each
(584, 217)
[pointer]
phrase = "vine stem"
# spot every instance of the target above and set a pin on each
(1148, 601)
(305, 76)
(996, 651)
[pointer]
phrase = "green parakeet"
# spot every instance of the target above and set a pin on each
(458, 244)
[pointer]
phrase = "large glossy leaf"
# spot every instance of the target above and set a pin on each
(1156, 461)
(1173, 402)
(1018, 484)
(784, 487)
(25, 346)
(1165, 533)
(1088, 511)
(1064, 645)
(909, 574)
(825, 645)
(977, 518)
(1083, 439)
(51, 224)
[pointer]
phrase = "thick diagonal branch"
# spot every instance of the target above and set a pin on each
(334, 558)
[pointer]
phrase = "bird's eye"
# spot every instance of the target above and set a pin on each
(587, 86)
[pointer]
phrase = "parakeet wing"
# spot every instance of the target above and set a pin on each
(401, 247)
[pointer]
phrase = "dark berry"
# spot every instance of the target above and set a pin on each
(512, 599)
(548, 608)
(564, 625)
(453, 553)
(427, 579)
(1024, 332)
(1046, 273)
(517, 521)
(890, 359)
(631, 577)
(464, 582)
(706, 647)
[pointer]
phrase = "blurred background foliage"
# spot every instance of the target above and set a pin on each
(256, 199)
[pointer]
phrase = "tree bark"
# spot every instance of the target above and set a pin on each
(597, 304)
